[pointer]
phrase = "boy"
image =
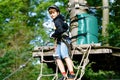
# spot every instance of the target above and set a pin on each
(61, 49)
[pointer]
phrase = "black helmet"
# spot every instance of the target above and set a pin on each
(54, 7)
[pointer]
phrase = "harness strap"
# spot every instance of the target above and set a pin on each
(76, 36)
(75, 20)
(69, 45)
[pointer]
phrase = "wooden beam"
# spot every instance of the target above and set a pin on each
(76, 52)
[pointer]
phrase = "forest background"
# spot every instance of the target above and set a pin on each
(21, 29)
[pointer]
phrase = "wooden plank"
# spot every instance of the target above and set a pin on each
(38, 54)
(96, 51)
(87, 45)
(50, 48)
(116, 54)
(93, 51)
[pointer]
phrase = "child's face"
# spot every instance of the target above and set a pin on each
(53, 13)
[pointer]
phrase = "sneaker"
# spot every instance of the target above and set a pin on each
(71, 76)
(62, 78)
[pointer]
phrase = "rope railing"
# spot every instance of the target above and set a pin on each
(83, 63)
(55, 75)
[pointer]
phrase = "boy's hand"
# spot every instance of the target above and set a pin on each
(51, 35)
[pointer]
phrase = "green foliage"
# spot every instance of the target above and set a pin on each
(16, 34)
(100, 75)
(114, 33)
(93, 2)
(114, 26)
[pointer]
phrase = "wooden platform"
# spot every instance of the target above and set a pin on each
(95, 49)
(104, 57)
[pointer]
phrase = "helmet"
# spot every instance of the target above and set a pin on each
(54, 7)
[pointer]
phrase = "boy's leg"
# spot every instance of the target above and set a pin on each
(65, 56)
(69, 65)
(59, 61)
(61, 67)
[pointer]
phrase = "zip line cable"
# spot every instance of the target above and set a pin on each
(102, 7)
(20, 67)
(91, 7)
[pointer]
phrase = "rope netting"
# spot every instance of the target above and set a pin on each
(80, 68)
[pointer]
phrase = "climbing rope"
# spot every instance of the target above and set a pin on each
(55, 75)
(83, 63)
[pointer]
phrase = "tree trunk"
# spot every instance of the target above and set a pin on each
(75, 7)
(105, 20)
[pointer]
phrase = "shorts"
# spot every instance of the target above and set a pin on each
(62, 50)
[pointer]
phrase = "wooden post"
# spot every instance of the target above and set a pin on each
(105, 20)
(76, 7)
